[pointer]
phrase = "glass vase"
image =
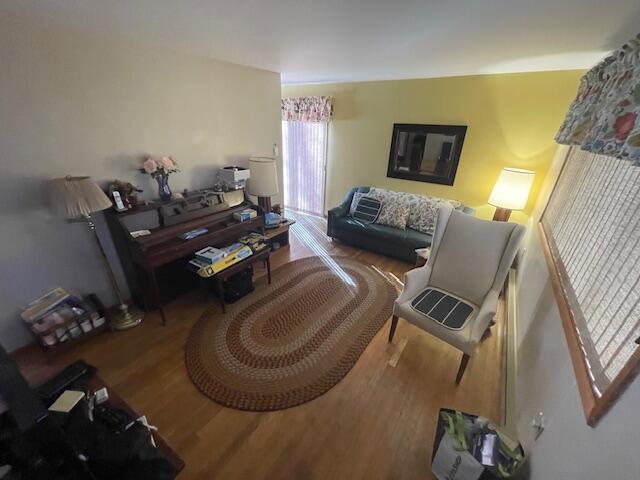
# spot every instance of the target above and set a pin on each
(164, 192)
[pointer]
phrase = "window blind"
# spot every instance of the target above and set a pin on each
(304, 153)
(592, 225)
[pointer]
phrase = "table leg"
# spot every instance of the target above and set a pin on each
(268, 261)
(220, 292)
(156, 295)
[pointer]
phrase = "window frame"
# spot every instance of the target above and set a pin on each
(594, 405)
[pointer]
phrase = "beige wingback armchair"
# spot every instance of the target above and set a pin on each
(454, 296)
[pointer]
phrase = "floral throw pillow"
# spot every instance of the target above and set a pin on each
(424, 212)
(394, 215)
(395, 209)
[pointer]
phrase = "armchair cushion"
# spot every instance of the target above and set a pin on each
(460, 338)
(451, 312)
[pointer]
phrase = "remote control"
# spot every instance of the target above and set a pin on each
(65, 378)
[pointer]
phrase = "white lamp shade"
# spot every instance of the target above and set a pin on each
(511, 191)
(73, 197)
(264, 177)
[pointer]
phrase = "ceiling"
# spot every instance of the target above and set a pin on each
(313, 41)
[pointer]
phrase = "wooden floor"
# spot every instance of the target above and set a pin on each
(378, 422)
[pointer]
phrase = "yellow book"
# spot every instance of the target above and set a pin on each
(231, 259)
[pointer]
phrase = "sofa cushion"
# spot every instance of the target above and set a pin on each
(351, 225)
(386, 233)
(417, 239)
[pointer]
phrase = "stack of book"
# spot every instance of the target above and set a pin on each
(255, 241)
(210, 260)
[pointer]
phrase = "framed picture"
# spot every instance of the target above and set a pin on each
(426, 153)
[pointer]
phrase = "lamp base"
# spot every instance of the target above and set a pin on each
(502, 214)
(265, 203)
(122, 319)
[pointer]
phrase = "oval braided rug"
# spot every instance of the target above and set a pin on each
(291, 341)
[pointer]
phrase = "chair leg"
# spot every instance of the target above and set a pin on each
(463, 366)
(394, 324)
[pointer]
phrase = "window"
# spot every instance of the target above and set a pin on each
(591, 234)
(304, 153)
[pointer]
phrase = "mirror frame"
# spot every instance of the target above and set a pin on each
(458, 130)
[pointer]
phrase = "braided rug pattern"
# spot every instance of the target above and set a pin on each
(291, 341)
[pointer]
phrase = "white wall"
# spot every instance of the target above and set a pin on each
(568, 448)
(72, 103)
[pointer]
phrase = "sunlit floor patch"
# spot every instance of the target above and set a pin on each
(303, 234)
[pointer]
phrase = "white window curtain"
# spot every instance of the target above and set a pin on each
(592, 224)
(304, 151)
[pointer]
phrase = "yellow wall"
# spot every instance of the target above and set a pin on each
(511, 119)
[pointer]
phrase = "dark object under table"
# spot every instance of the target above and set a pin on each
(219, 278)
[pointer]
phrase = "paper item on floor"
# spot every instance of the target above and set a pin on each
(66, 401)
(488, 446)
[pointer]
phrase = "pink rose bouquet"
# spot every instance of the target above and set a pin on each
(160, 170)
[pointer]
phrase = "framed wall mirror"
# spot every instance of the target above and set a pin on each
(425, 153)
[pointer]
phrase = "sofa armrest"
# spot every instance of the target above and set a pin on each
(469, 210)
(340, 211)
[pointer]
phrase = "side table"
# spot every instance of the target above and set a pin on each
(422, 256)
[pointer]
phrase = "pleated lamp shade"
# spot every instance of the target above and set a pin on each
(264, 177)
(511, 191)
(73, 197)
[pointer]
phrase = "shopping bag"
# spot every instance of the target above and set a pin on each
(451, 463)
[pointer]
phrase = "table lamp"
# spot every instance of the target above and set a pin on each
(76, 198)
(511, 192)
(263, 182)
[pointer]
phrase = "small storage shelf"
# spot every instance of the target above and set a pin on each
(73, 330)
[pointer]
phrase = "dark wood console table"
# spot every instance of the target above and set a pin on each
(115, 401)
(142, 257)
(37, 372)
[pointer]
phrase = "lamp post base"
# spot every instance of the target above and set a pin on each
(502, 214)
(123, 319)
(265, 203)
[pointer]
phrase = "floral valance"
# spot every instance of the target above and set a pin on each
(604, 117)
(307, 109)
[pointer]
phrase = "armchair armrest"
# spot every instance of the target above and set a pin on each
(485, 315)
(414, 281)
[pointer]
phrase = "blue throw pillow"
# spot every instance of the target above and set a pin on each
(367, 209)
